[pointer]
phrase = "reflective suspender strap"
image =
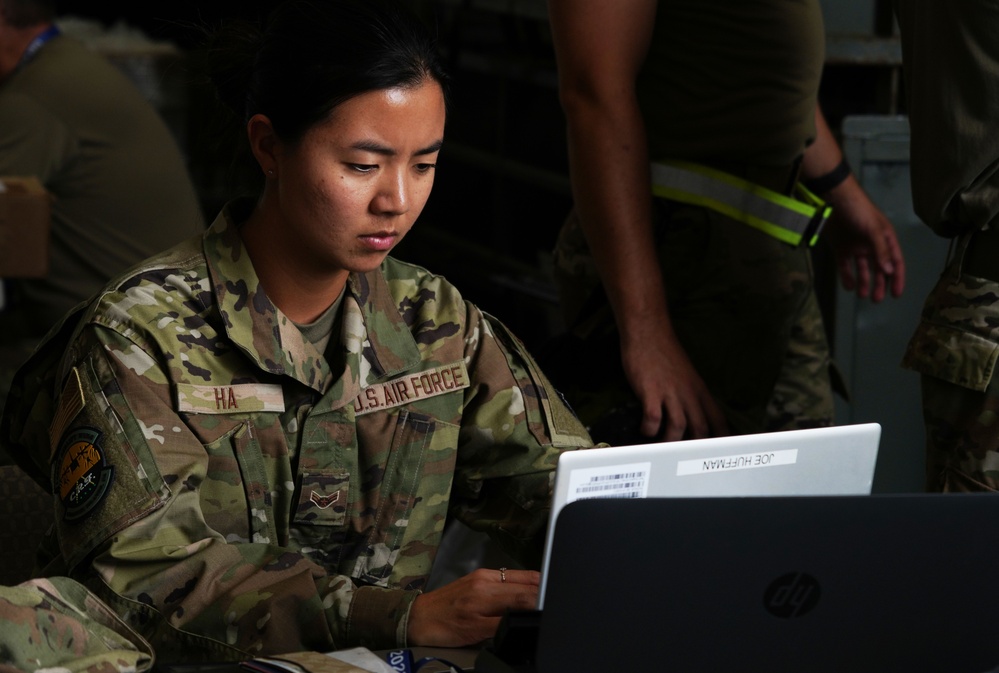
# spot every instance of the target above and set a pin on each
(793, 221)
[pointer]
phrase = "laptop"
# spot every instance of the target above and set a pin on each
(866, 584)
(837, 460)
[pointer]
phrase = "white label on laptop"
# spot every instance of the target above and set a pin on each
(743, 461)
(611, 481)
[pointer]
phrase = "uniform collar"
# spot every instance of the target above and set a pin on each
(378, 340)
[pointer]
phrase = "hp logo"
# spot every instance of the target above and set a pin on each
(791, 595)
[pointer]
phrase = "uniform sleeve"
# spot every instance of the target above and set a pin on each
(127, 472)
(514, 427)
(32, 141)
(36, 616)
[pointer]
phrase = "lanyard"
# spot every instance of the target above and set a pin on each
(37, 44)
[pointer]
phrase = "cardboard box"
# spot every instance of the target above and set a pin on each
(25, 212)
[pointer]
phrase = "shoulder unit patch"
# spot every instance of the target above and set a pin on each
(84, 473)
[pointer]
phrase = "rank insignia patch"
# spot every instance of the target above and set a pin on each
(84, 474)
(324, 501)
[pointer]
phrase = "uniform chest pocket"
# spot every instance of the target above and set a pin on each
(319, 524)
(405, 503)
(235, 494)
(322, 499)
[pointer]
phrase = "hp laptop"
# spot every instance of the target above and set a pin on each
(824, 584)
(823, 461)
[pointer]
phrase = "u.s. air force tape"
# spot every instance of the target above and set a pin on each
(412, 387)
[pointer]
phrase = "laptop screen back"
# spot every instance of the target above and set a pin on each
(823, 461)
(866, 584)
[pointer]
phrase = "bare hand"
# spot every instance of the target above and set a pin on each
(468, 610)
(664, 380)
(867, 252)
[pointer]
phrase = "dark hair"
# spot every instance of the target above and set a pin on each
(312, 55)
(27, 13)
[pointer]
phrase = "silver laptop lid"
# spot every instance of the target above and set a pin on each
(838, 460)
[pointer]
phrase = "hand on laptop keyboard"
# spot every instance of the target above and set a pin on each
(468, 610)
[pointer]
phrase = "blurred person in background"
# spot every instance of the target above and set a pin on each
(950, 62)
(119, 187)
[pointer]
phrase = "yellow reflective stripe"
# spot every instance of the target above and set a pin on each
(746, 186)
(783, 217)
(780, 233)
(805, 193)
(744, 196)
(809, 196)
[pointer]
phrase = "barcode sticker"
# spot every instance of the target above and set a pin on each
(614, 481)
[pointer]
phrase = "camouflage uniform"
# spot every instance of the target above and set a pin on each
(741, 302)
(232, 491)
(57, 625)
(950, 62)
(954, 348)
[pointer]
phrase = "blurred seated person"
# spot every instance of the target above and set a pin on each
(119, 186)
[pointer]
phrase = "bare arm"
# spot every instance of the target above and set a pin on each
(867, 251)
(600, 46)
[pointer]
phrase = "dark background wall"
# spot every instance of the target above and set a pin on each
(163, 19)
